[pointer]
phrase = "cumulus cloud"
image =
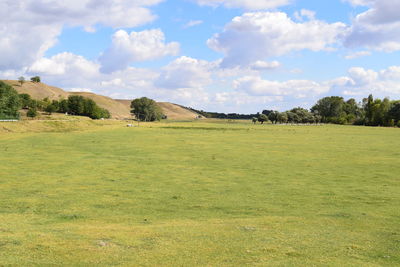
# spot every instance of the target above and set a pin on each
(256, 36)
(185, 72)
(381, 83)
(64, 63)
(378, 28)
(256, 86)
(246, 4)
(136, 47)
(30, 27)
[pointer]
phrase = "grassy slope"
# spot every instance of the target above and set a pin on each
(119, 109)
(172, 111)
(212, 194)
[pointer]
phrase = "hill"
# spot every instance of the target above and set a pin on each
(119, 109)
(172, 111)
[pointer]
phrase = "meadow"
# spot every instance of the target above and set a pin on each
(198, 194)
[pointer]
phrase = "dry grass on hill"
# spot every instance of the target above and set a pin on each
(119, 109)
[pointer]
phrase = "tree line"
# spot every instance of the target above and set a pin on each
(335, 110)
(11, 102)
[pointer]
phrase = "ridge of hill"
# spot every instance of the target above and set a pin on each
(118, 108)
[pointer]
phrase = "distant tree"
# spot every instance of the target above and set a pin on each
(51, 108)
(63, 106)
(254, 119)
(273, 116)
(76, 105)
(26, 100)
(21, 80)
(369, 109)
(146, 109)
(394, 112)
(263, 118)
(32, 113)
(282, 117)
(9, 102)
(35, 79)
(330, 108)
(266, 112)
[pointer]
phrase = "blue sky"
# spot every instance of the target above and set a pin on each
(218, 55)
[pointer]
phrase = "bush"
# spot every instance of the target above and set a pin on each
(32, 113)
(398, 124)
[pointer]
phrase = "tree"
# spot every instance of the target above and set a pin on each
(330, 108)
(146, 109)
(76, 105)
(35, 79)
(394, 112)
(51, 108)
(26, 100)
(32, 113)
(263, 118)
(282, 117)
(368, 107)
(9, 102)
(254, 119)
(21, 80)
(273, 116)
(63, 106)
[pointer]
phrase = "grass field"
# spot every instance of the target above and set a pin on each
(198, 194)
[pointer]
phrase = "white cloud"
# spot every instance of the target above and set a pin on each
(246, 4)
(256, 86)
(185, 72)
(65, 63)
(193, 23)
(378, 28)
(30, 27)
(136, 47)
(304, 13)
(380, 83)
(264, 65)
(358, 54)
(256, 36)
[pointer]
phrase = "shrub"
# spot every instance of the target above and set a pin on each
(32, 113)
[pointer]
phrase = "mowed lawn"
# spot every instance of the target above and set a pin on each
(201, 194)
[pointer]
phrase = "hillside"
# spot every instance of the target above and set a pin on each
(119, 109)
(172, 111)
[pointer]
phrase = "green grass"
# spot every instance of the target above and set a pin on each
(199, 194)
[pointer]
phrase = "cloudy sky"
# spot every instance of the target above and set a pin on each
(218, 55)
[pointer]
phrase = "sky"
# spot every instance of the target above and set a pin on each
(239, 56)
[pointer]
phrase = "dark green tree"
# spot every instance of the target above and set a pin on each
(9, 102)
(32, 113)
(35, 79)
(76, 105)
(146, 109)
(273, 116)
(394, 112)
(63, 106)
(26, 100)
(51, 108)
